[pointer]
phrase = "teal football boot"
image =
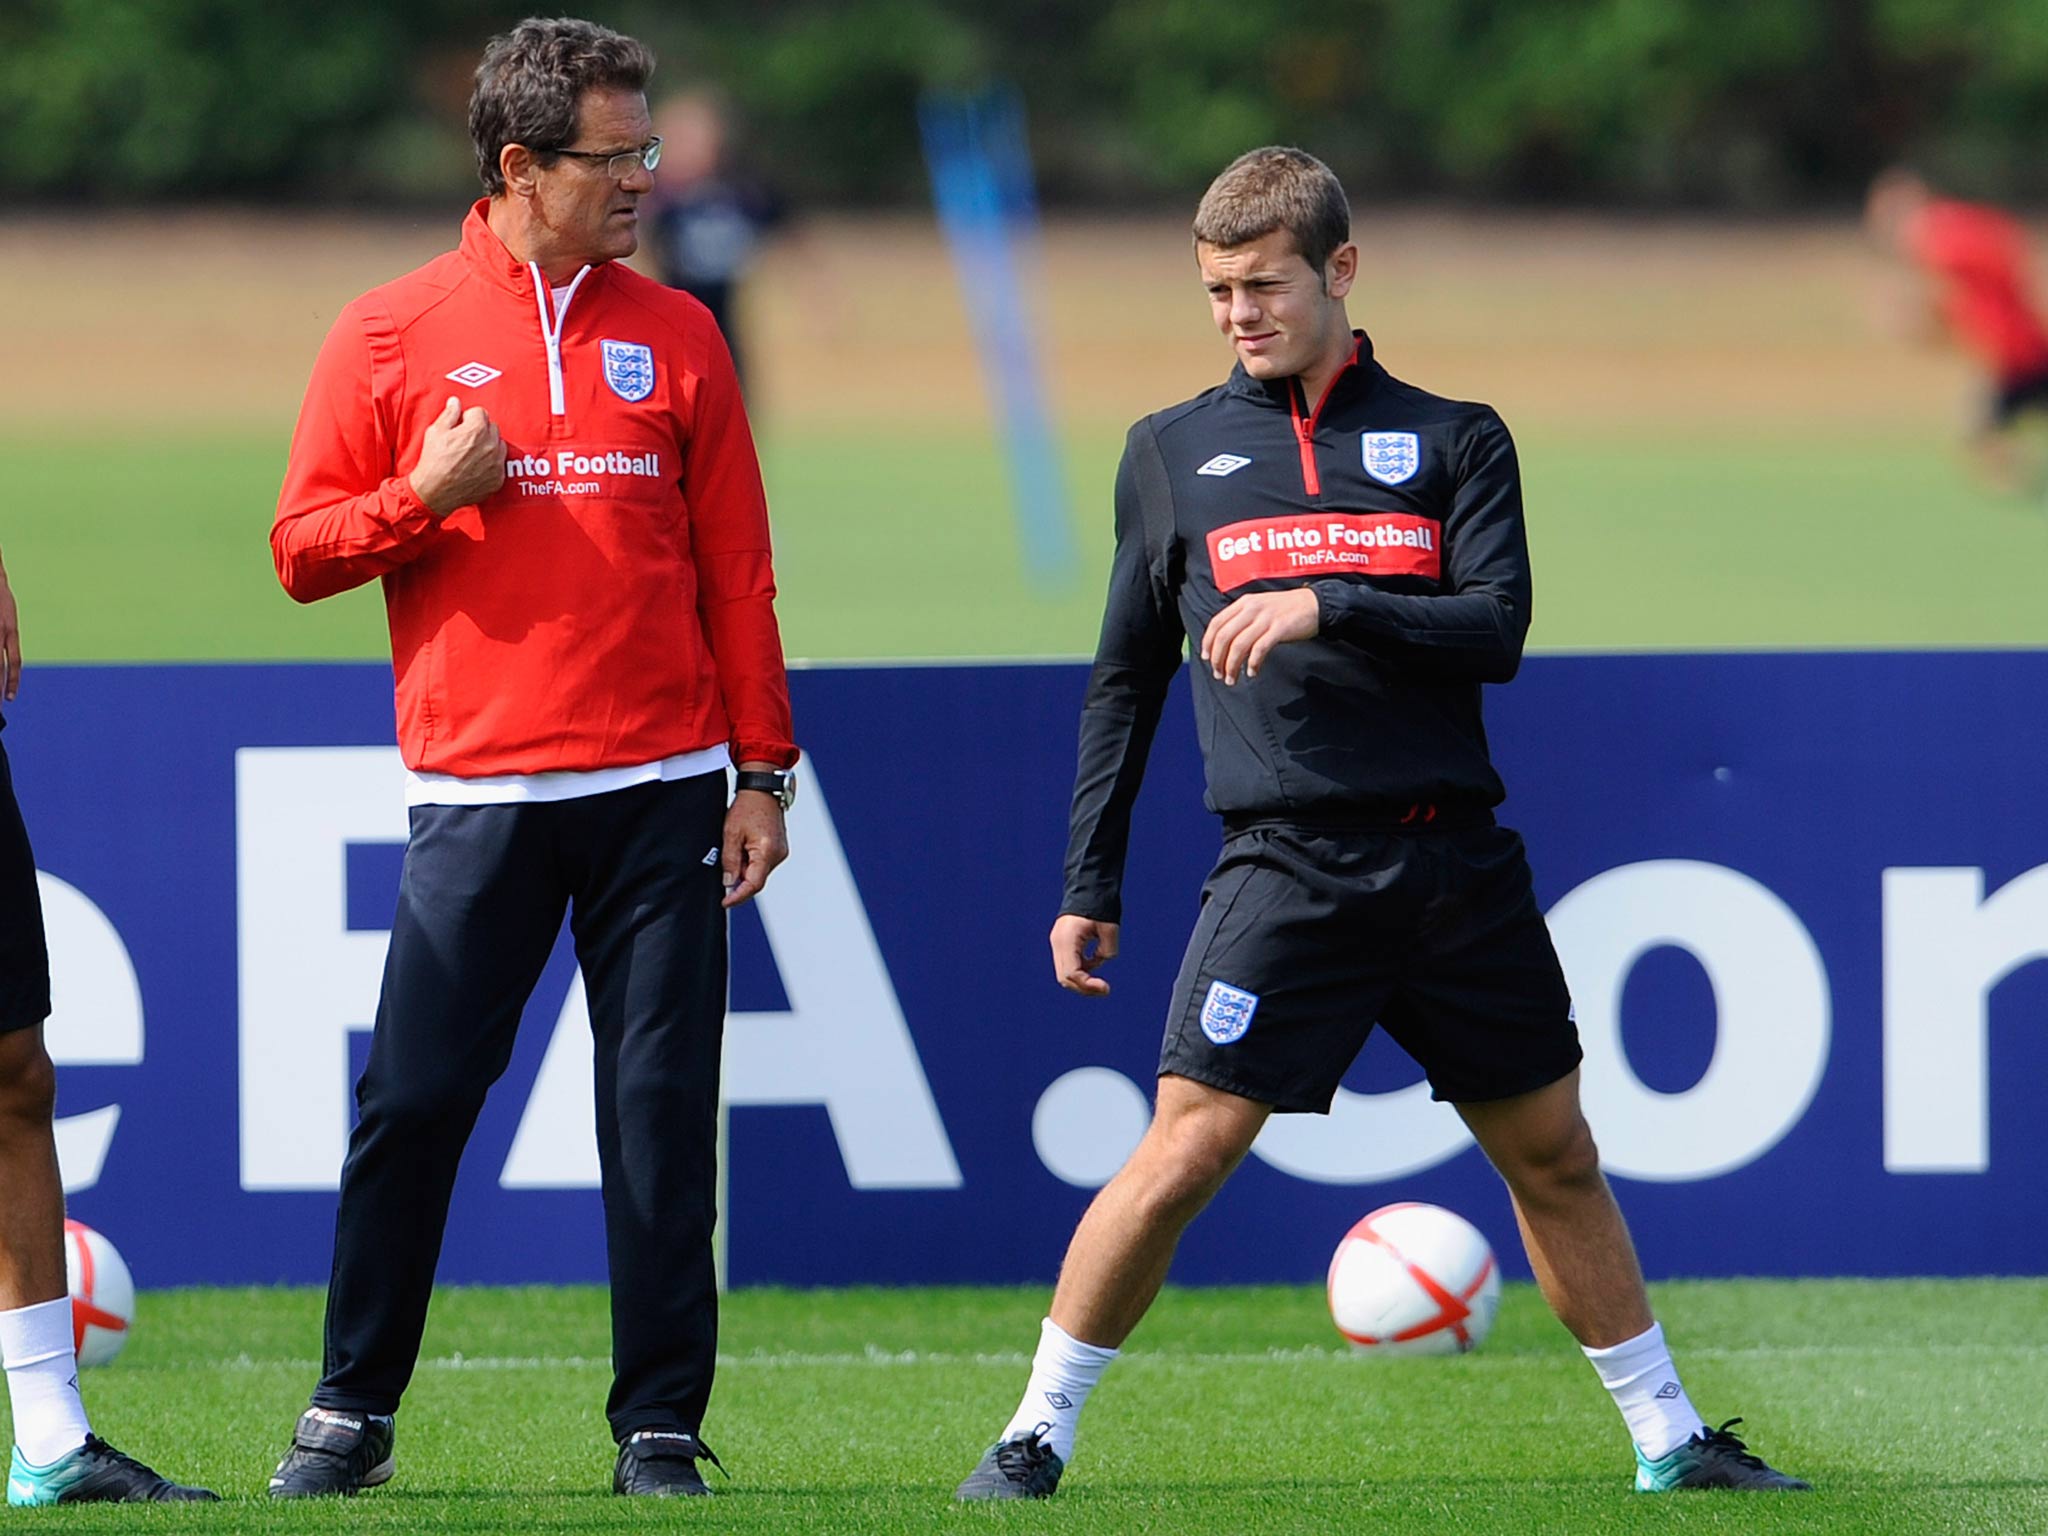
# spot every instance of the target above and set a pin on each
(1713, 1458)
(95, 1473)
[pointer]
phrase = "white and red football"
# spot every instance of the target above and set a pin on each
(102, 1294)
(1413, 1279)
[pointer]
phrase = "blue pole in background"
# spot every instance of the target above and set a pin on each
(980, 166)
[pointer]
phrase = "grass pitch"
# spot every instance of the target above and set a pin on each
(1914, 1406)
(147, 549)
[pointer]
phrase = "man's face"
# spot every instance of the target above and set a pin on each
(591, 215)
(1279, 312)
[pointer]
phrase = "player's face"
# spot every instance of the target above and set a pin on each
(1282, 316)
(590, 214)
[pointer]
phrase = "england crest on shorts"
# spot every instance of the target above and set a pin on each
(1390, 457)
(629, 369)
(1227, 1012)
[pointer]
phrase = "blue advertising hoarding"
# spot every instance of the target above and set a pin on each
(1798, 898)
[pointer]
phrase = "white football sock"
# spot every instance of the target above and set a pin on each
(1063, 1373)
(42, 1381)
(1644, 1382)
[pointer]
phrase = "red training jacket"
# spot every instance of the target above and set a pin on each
(1979, 256)
(613, 602)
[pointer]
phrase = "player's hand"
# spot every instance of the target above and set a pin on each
(10, 644)
(462, 459)
(755, 842)
(1080, 947)
(1239, 638)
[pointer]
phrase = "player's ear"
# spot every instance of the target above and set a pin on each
(516, 163)
(1341, 271)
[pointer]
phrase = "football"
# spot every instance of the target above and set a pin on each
(1413, 1279)
(102, 1294)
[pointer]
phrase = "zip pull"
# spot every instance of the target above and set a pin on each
(1305, 425)
(1304, 429)
(551, 330)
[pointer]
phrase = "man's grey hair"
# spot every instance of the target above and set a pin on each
(532, 78)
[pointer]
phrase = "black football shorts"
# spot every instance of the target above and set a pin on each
(24, 954)
(2015, 397)
(1309, 936)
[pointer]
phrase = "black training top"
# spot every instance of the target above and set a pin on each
(1403, 510)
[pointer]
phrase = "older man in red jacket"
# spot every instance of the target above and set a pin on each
(544, 458)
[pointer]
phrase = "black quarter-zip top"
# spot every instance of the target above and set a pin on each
(1402, 511)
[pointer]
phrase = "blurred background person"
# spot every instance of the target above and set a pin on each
(710, 219)
(1975, 266)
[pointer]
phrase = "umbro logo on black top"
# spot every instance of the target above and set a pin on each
(1224, 464)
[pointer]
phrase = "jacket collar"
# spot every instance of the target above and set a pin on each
(489, 259)
(1359, 376)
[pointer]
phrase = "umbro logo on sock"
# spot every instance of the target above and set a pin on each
(1059, 1400)
(1668, 1390)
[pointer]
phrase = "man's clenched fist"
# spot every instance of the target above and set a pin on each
(462, 459)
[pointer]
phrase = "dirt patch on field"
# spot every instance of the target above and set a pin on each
(166, 321)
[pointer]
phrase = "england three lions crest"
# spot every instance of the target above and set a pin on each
(629, 369)
(1391, 457)
(1227, 1012)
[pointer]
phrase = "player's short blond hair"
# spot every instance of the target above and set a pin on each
(1276, 188)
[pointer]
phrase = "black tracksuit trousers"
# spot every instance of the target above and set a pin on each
(480, 902)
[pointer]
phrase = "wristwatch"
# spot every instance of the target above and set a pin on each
(779, 782)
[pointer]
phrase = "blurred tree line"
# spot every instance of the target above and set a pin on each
(1752, 104)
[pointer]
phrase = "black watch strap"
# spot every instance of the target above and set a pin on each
(781, 783)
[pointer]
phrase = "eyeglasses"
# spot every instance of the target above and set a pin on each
(618, 164)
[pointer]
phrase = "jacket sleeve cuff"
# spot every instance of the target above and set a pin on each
(781, 753)
(1338, 605)
(1097, 906)
(411, 515)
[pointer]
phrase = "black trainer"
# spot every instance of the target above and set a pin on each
(1713, 1458)
(662, 1464)
(335, 1453)
(1022, 1467)
(95, 1473)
